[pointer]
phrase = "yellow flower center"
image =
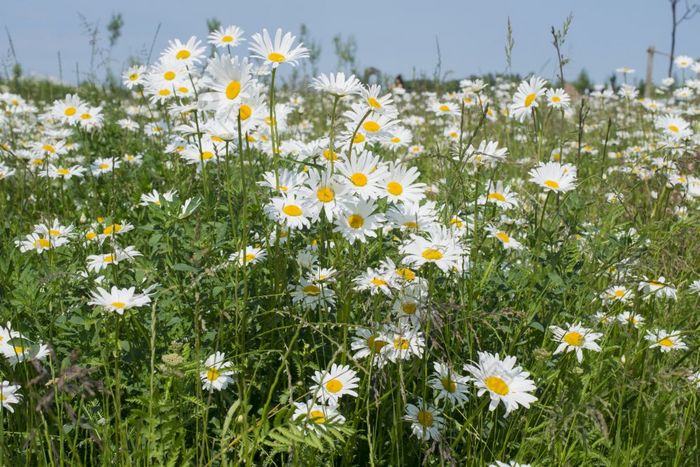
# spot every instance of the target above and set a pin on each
(374, 103)
(371, 126)
(249, 257)
(114, 228)
(401, 343)
(395, 188)
(212, 374)
(551, 184)
(395, 140)
(334, 385)
(502, 236)
(276, 57)
(317, 417)
(169, 75)
(85, 116)
(206, 155)
(356, 221)
(292, 210)
(54, 232)
(674, 128)
(406, 273)
(425, 418)
(497, 197)
(48, 148)
(233, 89)
(330, 155)
(432, 254)
(619, 293)
(529, 99)
(42, 243)
(448, 384)
(118, 305)
(245, 111)
(378, 282)
(104, 166)
(325, 194)
(409, 308)
(108, 258)
(133, 77)
(497, 385)
(358, 179)
(573, 338)
(666, 342)
(444, 108)
(70, 111)
(556, 99)
(19, 349)
(359, 138)
(90, 235)
(375, 344)
(411, 225)
(164, 92)
(184, 54)
(226, 39)
(311, 290)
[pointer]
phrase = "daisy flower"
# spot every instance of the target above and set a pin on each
(364, 173)
(553, 176)
(450, 386)
(230, 36)
(627, 317)
(96, 263)
(250, 255)
(557, 99)
(119, 300)
(228, 80)
(367, 343)
(156, 198)
(504, 381)
(374, 280)
(525, 98)
(358, 221)
(440, 248)
(575, 338)
(404, 342)
(217, 375)
(314, 417)
(9, 395)
(617, 293)
(281, 50)
(290, 211)
(288, 181)
(337, 84)
(508, 242)
(500, 195)
(658, 288)
(312, 295)
(665, 340)
(381, 104)
(186, 53)
(399, 186)
(674, 127)
(508, 464)
(333, 384)
(39, 243)
(427, 421)
(134, 76)
(413, 216)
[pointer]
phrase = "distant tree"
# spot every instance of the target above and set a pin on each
(114, 27)
(346, 51)
(690, 9)
(213, 24)
(583, 82)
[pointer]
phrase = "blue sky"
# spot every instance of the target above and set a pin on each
(394, 36)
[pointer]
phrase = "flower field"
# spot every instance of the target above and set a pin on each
(212, 265)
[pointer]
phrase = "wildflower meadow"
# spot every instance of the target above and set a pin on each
(223, 258)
